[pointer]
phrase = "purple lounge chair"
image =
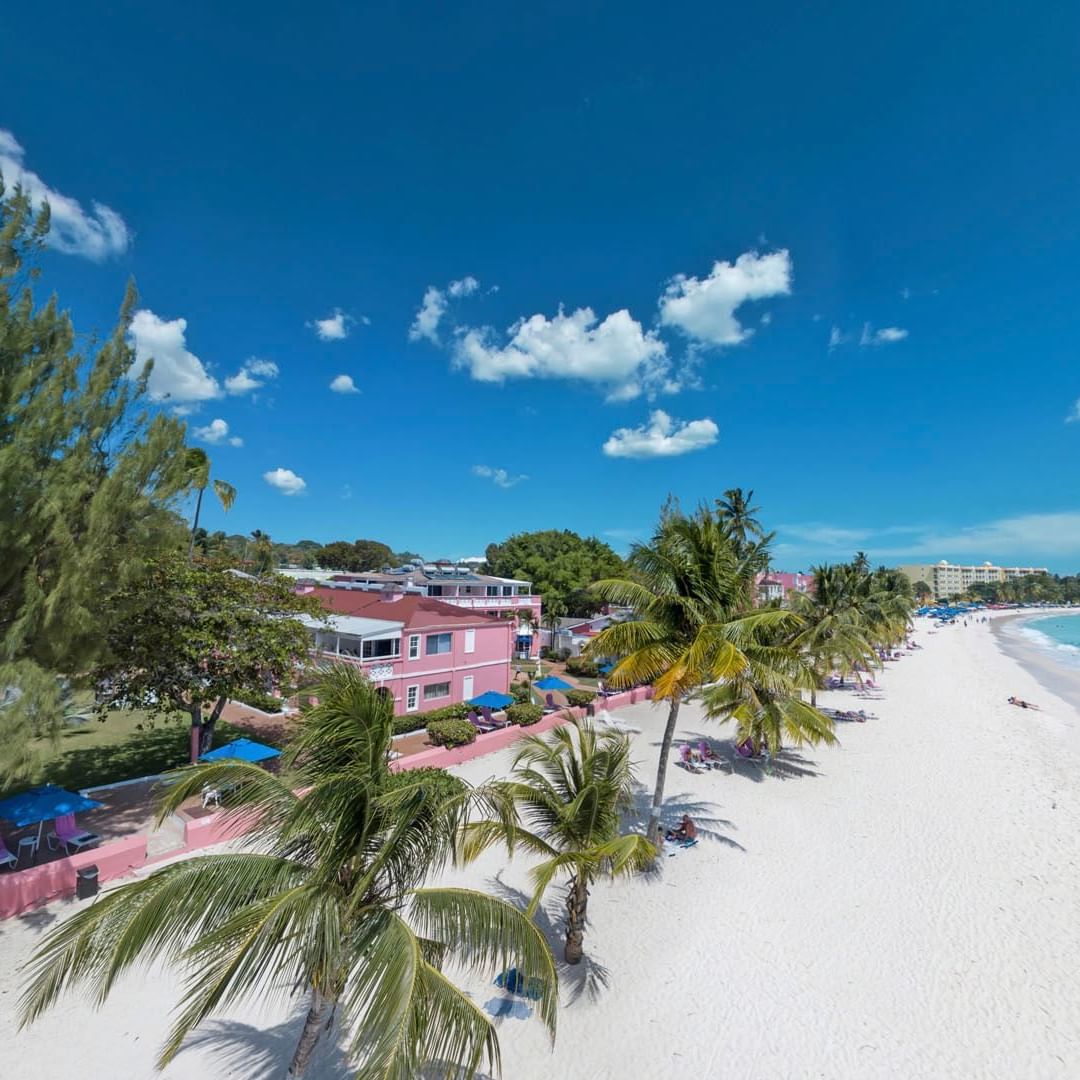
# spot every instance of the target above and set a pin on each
(549, 704)
(481, 725)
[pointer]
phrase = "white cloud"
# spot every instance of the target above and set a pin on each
(285, 480)
(766, 318)
(499, 477)
(251, 376)
(178, 375)
(887, 335)
(1024, 539)
(96, 234)
(836, 338)
(661, 437)
(616, 353)
(343, 384)
(335, 327)
(434, 305)
(216, 433)
(905, 293)
(704, 308)
(1075, 414)
(465, 286)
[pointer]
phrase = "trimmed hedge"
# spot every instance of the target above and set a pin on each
(451, 732)
(412, 722)
(263, 702)
(579, 665)
(521, 692)
(460, 711)
(580, 697)
(524, 715)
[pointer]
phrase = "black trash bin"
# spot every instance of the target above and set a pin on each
(86, 883)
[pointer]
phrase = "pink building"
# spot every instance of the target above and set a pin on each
(777, 584)
(425, 653)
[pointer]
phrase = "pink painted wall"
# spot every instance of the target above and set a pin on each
(24, 889)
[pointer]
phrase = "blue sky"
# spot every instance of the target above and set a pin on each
(828, 255)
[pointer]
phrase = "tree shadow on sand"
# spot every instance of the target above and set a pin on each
(789, 764)
(590, 978)
(709, 826)
(258, 1053)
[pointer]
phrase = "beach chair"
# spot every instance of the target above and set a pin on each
(686, 761)
(549, 704)
(605, 719)
(483, 726)
(68, 834)
(489, 718)
(7, 860)
(707, 756)
(745, 752)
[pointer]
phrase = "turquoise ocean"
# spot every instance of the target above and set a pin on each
(1056, 636)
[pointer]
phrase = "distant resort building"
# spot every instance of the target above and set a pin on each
(777, 585)
(423, 653)
(948, 579)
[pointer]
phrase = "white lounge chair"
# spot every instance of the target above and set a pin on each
(6, 858)
(68, 834)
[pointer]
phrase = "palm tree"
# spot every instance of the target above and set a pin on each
(263, 552)
(692, 595)
(765, 699)
(197, 472)
(572, 790)
(554, 610)
(737, 515)
(327, 901)
(861, 563)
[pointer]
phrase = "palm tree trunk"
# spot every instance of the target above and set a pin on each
(195, 525)
(318, 1012)
(577, 901)
(653, 832)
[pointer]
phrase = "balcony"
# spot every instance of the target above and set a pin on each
(492, 603)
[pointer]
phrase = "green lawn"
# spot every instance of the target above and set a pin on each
(121, 747)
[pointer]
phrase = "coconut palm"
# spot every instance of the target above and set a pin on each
(326, 902)
(554, 610)
(738, 515)
(197, 473)
(571, 789)
(764, 700)
(694, 625)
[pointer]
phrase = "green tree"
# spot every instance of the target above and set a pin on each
(564, 803)
(371, 555)
(263, 559)
(329, 903)
(922, 591)
(738, 514)
(197, 479)
(87, 477)
(560, 564)
(692, 594)
(191, 636)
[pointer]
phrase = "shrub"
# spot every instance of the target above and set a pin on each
(563, 655)
(451, 732)
(460, 711)
(263, 702)
(439, 785)
(413, 722)
(545, 653)
(580, 665)
(580, 697)
(524, 715)
(522, 693)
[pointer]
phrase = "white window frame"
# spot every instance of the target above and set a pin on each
(414, 646)
(437, 697)
(412, 698)
(470, 641)
(428, 651)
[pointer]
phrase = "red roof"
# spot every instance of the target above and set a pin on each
(415, 611)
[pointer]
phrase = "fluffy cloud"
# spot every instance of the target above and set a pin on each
(96, 234)
(1075, 414)
(343, 384)
(499, 477)
(425, 326)
(251, 376)
(836, 338)
(335, 327)
(285, 480)
(661, 437)
(216, 433)
(705, 308)
(178, 375)
(616, 353)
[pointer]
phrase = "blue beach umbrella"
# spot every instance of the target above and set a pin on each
(552, 682)
(42, 804)
(242, 750)
(492, 699)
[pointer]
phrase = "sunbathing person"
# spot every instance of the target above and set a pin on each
(687, 830)
(1023, 704)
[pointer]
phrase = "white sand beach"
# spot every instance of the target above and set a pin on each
(904, 905)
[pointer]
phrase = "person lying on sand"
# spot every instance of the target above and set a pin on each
(1023, 704)
(687, 830)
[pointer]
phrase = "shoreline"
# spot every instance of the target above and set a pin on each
(1055, 679)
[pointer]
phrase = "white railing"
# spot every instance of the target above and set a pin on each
(491, 601)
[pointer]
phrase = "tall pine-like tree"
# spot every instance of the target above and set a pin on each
(87, 474)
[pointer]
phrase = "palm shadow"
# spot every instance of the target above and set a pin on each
(589, 978)
(787, 764)
(709, 826)
(258, 1053)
